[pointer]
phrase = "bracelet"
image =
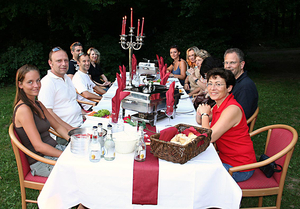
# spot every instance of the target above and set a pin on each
(204, 114)
(196, 80)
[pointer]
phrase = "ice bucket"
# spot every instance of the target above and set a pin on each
(80, 138)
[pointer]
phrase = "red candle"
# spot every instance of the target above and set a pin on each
(131, 17)
(142, 26)
(122, 31)
(138, 28)
(125, 24)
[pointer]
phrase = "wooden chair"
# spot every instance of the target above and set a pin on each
(251, 121)
(25, 177)
(280, 144)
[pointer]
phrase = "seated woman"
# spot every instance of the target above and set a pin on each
(229, 125)
(32, 120)
(191, 64)
(95, 71)
(178, 67)
(196, 82)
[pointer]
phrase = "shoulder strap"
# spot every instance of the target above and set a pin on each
(14, 114)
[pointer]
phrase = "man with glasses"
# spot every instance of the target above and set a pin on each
(244, 91)
(58, 93)
(85, 87)
(76, 48)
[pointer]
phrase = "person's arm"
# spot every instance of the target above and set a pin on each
(25, 118)
(195, 91)
(229, 118)
(204, 115)
(62, 130)
(99, 90)
(70, 76)
(59, 120)
(170, 69)
(186, 83)
(89, 95)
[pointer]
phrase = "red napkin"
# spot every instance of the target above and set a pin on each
(164, 80)
(170, 97)
(191, 129)
(123, 75)
(133, 66)
(116, 100)
(168, 133)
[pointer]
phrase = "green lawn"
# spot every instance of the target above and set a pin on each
(279, 99)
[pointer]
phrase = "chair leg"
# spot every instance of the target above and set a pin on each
(260, 201)
(23, 198)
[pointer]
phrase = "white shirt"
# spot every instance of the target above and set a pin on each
(59, 95)
(82, 82)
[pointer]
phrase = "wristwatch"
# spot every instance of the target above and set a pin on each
(196, 80)
(204, 114)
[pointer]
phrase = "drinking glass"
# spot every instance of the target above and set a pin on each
(169, 112)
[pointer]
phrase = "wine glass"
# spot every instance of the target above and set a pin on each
(169, 112)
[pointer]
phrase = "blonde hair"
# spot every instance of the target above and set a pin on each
(195, 49)
(89, 51)
(202, 54)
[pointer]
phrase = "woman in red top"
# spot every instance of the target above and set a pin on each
(228, 124)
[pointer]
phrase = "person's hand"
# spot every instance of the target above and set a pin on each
(186, 86)
(203, 108)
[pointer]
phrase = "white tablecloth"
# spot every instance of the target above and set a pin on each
(202, 182)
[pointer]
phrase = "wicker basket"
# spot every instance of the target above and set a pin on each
(177, 153)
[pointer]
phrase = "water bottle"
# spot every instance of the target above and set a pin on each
(140, 147)
(101, 138)
(95, 147)
(109, 145)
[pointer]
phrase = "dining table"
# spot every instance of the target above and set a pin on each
(202, 182)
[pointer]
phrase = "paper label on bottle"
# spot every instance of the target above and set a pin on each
(142, 154)
(95, 155)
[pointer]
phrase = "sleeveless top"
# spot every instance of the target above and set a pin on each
(178, 72)
(235, 145)
(42, 126)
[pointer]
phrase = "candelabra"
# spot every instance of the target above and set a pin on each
(131, 45)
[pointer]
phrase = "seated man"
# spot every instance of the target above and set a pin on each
(84, 85)
(244, 91)
(57, 91)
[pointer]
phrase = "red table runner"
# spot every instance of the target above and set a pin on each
(145, 178)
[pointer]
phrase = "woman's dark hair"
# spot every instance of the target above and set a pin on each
(20, 94)
(210, 63)
(175, 47)
(227, 75)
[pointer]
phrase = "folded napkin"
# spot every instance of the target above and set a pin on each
(133, 66)
(170, 97)
(164, 80)
(168, 133)
(191, 129)
(155, 96)
(116, 100)
(123, 75)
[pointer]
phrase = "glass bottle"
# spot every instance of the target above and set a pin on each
(109, 145)
(95, 147)
(140, 147)
(101, 138)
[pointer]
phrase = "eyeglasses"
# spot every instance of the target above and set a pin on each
(218, 85)
(230, 63)
(55, 49)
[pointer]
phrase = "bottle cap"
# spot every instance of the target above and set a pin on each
(99, 124)
(94, 127)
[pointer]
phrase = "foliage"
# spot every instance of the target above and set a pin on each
(26, 52)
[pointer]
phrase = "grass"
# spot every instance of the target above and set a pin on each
(279, 104)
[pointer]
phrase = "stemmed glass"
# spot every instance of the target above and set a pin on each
(169, 112)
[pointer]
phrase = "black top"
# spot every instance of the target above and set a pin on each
(246, 94)
(73, 67)
(42, 126)
(96, 73)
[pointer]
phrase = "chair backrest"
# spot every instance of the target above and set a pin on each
(21, 159)
(277, 140)
(251, 121)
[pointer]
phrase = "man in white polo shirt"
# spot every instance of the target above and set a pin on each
(83, 82)
(57, 92)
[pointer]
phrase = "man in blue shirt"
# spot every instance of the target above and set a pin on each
(244, 91)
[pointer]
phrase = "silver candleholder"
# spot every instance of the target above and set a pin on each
(131, 45)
